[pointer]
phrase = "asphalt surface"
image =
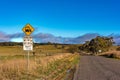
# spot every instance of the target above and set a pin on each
(97, 68)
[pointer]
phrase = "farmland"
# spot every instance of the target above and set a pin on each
(49, 62)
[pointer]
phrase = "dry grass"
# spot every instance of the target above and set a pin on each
(13, 63)
(11, 50)
(48, 59)
(112, 53)
(16, 69)
(11, 68)
(116, 54)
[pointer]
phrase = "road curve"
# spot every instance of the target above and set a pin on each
(97, 68)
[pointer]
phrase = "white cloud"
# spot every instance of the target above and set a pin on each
(17, 40)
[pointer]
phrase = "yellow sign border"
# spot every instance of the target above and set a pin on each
(31, 31)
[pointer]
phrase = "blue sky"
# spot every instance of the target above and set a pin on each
(66, 18)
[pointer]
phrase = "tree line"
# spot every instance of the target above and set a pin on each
(21, 44)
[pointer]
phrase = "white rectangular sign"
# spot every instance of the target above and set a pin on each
(27, 43)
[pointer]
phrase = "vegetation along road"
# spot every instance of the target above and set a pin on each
(98, 68)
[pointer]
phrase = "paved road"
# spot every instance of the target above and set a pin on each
(98, 68)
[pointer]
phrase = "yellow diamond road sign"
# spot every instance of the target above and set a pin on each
(28, 29)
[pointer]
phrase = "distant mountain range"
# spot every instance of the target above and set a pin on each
(77, 40)
(66, 40)
(44, 38)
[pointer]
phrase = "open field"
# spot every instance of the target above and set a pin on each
(49, 62)
(18, 50)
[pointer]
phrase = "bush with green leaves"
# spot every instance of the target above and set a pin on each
(97, 44)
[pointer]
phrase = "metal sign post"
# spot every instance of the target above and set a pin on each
(28, 43)
(28, 62)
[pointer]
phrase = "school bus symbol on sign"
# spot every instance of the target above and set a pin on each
(28, 29)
